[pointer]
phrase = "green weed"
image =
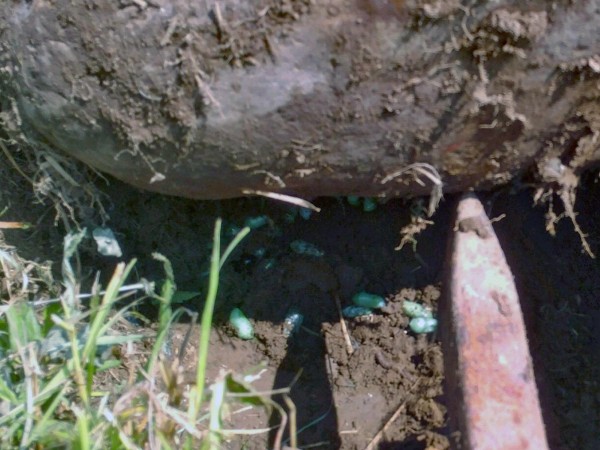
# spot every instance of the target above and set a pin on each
(56, 352)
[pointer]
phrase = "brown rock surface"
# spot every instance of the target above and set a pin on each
(207, 99)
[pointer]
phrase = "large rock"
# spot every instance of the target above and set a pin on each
(306, 97)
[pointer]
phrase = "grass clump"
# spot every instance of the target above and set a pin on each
(56, 352)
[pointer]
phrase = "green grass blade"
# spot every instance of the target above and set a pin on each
(83, 430)
(166, 293)
(165, 315)
(185, 296)
(215, 426)
(99, 323)
(206, 322)
(231, 247)
(106, 327)
(160, 340)
(42, 425)
(23, 326)
(110, 296)
(216, 263)
(6, 392)
(60, 380)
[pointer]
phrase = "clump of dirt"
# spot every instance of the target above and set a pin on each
(209, 100)
(267, 279)
(389, 370)
(355, 258)
(506, 32)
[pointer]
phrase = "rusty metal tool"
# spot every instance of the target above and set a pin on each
(491, 389)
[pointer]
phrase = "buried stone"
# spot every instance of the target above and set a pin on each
(298, 123)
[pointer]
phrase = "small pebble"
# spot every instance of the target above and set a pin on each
(107, 242)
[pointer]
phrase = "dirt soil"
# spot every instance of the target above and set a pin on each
(343, 400)
(389, 366)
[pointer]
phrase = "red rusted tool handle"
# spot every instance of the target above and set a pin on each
(491, 385)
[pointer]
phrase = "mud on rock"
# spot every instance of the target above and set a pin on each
(304, 97)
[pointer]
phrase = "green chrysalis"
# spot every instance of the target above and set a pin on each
(243, 327)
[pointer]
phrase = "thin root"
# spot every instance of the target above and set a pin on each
(428, 171)
(375, 441)
(283, 198)
(349, 347)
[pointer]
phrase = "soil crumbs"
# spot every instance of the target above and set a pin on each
(343, 400)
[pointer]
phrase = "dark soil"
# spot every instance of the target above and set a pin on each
(335, 394)
(558, 285)
(343, 400)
